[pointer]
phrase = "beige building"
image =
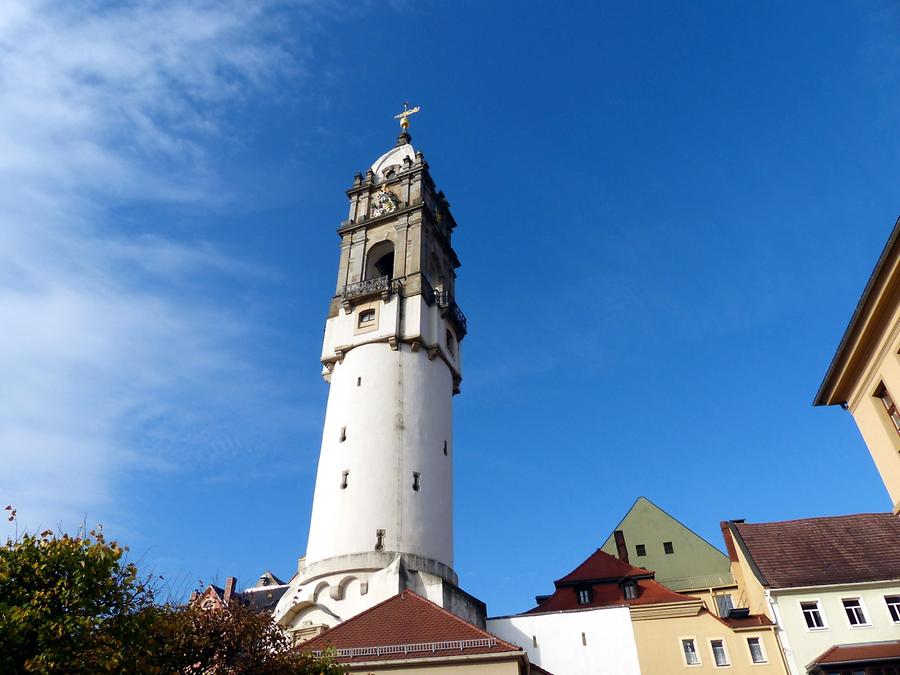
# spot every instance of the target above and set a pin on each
(864, 376)
(831, 586)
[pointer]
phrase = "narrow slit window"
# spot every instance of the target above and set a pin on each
(584, 639)
(417, 480)
(344, 476)
(343, 434)
(379, 540)
(888, 402)
(358, 381)
(668, 548)
(445, 448)
(451, 344)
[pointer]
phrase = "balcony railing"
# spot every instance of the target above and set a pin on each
(448, 304)
(362, 289)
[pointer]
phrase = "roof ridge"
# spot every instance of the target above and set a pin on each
(819, 518)
(459, 619)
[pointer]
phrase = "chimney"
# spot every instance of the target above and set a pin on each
(230, 583)
(621, 549)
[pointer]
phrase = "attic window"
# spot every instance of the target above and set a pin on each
(631, 589)
(641, 550)
(584, 595)
(668, 548)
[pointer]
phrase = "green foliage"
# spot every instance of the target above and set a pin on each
(73, 605)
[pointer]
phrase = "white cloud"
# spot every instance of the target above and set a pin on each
(100, 330)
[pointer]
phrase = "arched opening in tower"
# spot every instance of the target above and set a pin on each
(380, 260)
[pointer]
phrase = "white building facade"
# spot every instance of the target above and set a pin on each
(597, 640)
(382, 516)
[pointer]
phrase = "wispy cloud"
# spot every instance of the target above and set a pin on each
(103, 329)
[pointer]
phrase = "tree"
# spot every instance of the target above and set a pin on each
(74, 605)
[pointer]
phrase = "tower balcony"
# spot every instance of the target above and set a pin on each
(449, 308)
(354, 292)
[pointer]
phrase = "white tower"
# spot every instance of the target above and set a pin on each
(382, 517)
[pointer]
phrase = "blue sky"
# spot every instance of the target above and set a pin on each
(666, 216)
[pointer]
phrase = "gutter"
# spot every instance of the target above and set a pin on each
(822, 394)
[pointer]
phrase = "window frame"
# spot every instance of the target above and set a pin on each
(895, 616)
(762, 650)
(862, 610)
(889, 404)
(693, 640)
(712, 649)
(640, 550)
(819, 610)
(668, 548)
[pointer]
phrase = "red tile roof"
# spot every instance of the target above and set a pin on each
(600, 565)
(603, 572)
(859, 653)
(818, 551)
(406, 626)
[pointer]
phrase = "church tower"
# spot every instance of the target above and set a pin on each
(382, 516)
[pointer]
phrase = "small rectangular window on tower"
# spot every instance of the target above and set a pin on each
(358, 381)
(379, 540)
(344, 476)
(417, 480)
(668, 548)
(445, 448)
(343, 434)
(366, 318)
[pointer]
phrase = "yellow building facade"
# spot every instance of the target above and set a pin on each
(864, 376)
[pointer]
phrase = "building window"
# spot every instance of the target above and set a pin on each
(756, 650)
(812, 613)
(689, 648)
(724, 604)
(855, 614)
(888, 402)
(584, 595)
(379, 540)
(893, 605)
(366, 318)
(451, 344)
(668, 548)
(720, 656)
(631, 589)
(343, 434)
(417, 480)
(641, 550)
(344, 476)
(445, 448)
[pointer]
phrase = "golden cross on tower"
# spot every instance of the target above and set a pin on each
(404, 116)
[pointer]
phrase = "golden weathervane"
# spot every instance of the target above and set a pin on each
(404, 116)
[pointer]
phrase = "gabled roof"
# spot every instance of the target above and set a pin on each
(603, 572)
(601, 566)
(819, 551)
(407, 626)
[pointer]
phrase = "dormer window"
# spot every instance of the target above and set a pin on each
(630, 588)
(584, 595)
